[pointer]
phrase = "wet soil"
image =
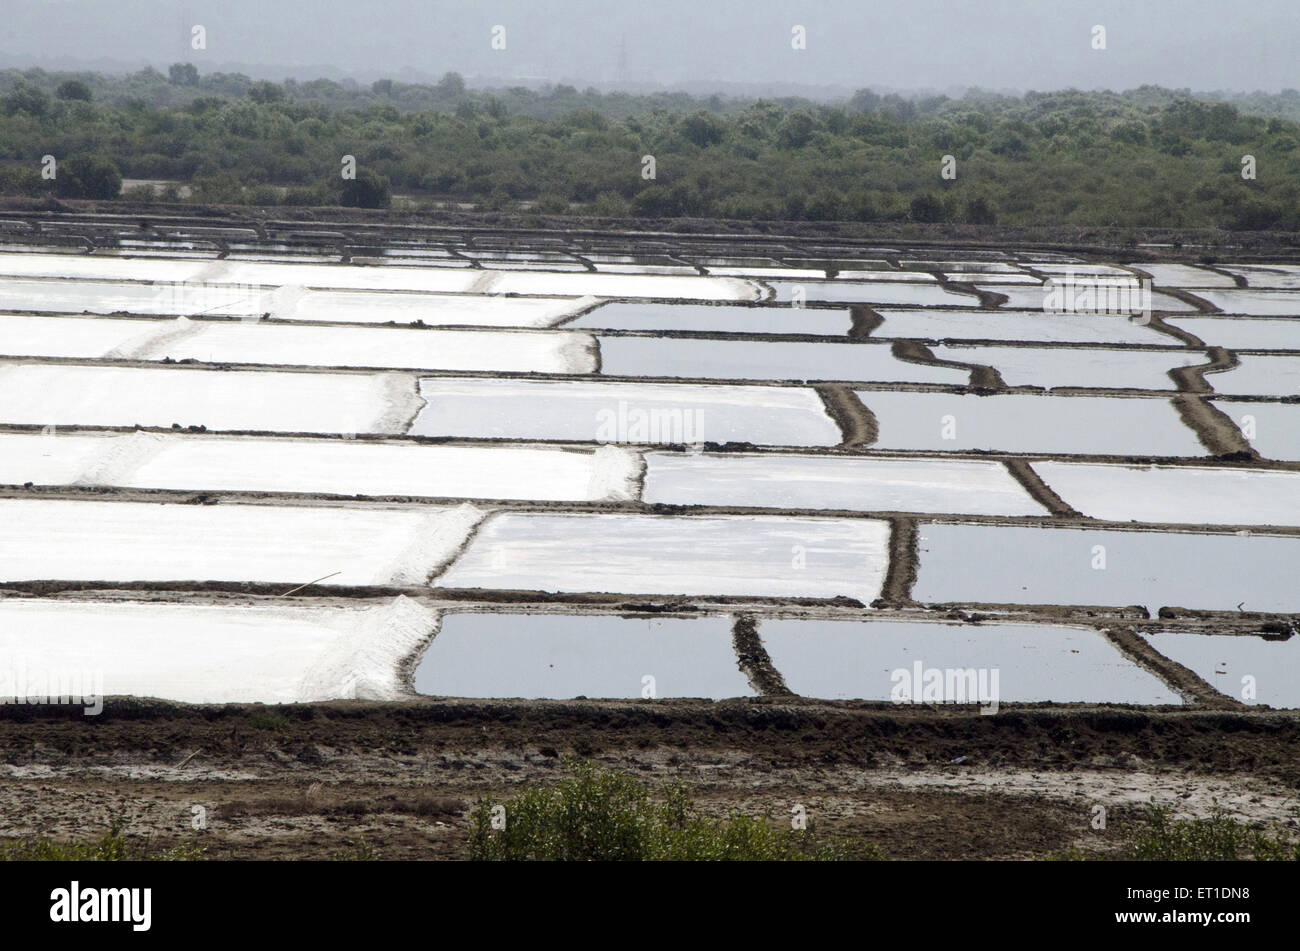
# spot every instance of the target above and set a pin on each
(916, 782)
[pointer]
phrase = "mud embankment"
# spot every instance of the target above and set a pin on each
(1213, 427)
(755, 663)
(858, 425)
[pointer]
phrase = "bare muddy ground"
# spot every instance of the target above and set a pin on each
(920, 782)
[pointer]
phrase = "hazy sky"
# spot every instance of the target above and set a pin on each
(908, 44)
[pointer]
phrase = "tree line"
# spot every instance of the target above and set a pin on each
(1140, 158)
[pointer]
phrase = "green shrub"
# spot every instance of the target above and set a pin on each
(265, 91)
(356, 850)
(183, 74)
(90, 177)
(368, 190)
(1218, 838)
(606, 815)
(926, 208)
(26, 99)
(551, 204)
(610, 204)
(703, 129)
(74, 89)
(112, 846)
(20, 180)
(980, 212)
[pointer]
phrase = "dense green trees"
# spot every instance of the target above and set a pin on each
(74, 89)
(368, 190)
(183, 74)
(1141, 158)
(26, 99)
(91, 176)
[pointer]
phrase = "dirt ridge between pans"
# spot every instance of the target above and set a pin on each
(1039, 490)
(863, 320)
(981, 376)
(829, 451)
(904, 561)
(1182, 680)
(1060, 519)
(1261, 624)
(1213, 428)
(754, 660)
(795, 383)
(1192, 379)
(858, 425)
(1187, 297)
(988, 300)
(365, 226)
(858, 733)
(1185, 337)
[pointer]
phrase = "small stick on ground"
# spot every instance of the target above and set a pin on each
(310, 583)
(182, 763)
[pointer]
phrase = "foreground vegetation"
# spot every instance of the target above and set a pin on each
(595, 814)
(1217, 838)
(1147, 157)
(606, 815)
(112, 846)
